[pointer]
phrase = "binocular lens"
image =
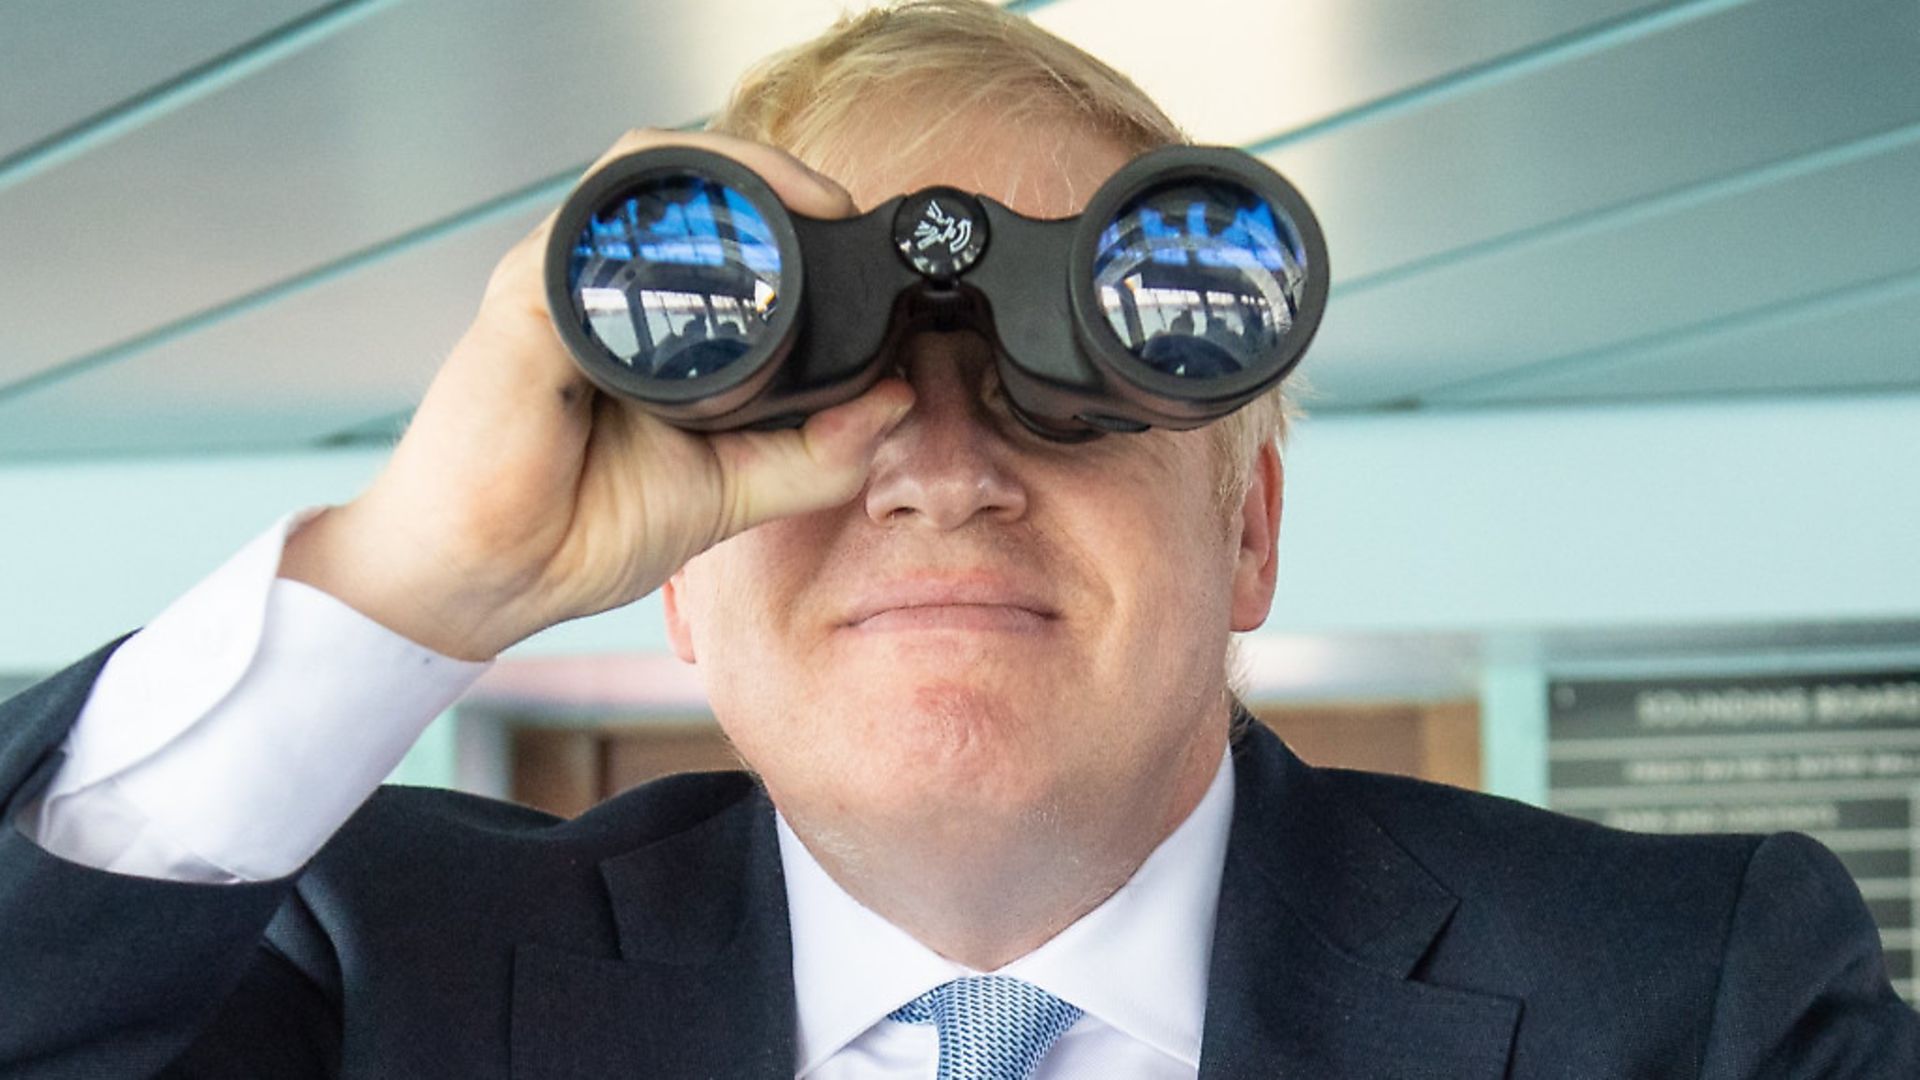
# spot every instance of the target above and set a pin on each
(1200, 278)
(677, 278)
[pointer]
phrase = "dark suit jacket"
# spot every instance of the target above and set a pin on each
(1368, 927)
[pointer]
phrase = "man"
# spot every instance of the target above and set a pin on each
(980, 679)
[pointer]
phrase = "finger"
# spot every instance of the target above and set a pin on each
(511, 372)
(516, 290)
(799, 187)
(775, 474)
(518, 279)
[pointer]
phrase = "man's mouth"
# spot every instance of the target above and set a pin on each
(964, 603)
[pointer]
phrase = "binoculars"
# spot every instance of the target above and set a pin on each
(1192, 282)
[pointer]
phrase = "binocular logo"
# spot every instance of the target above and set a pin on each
(942, 228)
(941, 232)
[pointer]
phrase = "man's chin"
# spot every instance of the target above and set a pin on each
(941, 741)
(976, 719)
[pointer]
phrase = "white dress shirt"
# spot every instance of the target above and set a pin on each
(239, 730)
(1136, 965)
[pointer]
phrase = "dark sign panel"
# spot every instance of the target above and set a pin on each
(1833, 756)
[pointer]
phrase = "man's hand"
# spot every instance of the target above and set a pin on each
(521, 496)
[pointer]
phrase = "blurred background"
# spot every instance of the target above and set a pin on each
(1609, 493)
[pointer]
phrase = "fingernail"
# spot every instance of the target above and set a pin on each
(827, 185)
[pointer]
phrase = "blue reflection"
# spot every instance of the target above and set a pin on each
(1164, 240)
(677, 277)
(1200, 279)
(684, 234)
(757, 247)
(1205, 235)
(1251, 233)
(685, 231)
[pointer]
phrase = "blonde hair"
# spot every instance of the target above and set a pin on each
(981, 58)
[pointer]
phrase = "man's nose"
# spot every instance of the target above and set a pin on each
(948, 461)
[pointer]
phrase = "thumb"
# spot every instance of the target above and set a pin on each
(775, 474)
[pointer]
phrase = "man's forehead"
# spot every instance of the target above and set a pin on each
(1041, 168)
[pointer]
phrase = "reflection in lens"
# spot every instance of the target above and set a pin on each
(678, 278)
(1200, 278)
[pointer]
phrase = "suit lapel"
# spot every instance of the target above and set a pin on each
(703, 986)
(1322, 919)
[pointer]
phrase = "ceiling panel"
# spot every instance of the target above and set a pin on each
(1527, 202)
(288, 373)
(1705, 92)
(1654, 270)
(63, 62)
(1864, 339)
(401, 118)
(1288, 65)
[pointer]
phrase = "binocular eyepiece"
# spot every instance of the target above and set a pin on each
(1192, 282)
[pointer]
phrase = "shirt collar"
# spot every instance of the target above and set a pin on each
(1138, 962)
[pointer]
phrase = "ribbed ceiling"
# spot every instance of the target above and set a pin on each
(250, 226)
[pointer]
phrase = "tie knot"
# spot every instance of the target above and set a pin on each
(992, 1027)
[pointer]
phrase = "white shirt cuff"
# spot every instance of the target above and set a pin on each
(231, 737)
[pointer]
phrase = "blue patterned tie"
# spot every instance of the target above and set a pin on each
(992, 1027)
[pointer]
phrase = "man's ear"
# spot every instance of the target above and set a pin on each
(1258, 562)
(678, 632)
